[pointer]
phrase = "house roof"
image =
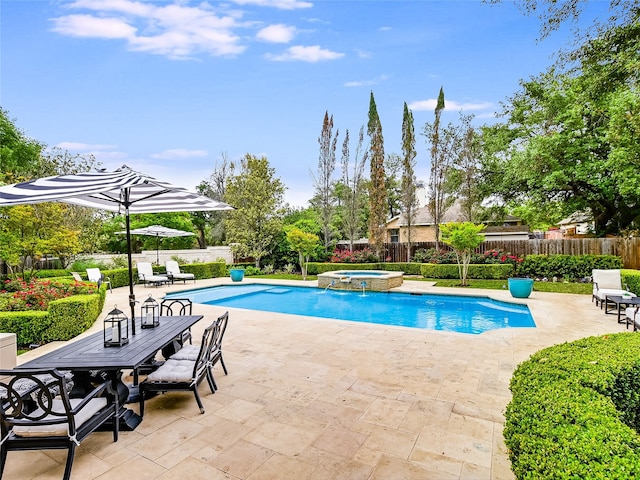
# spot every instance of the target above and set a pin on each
(424, 217)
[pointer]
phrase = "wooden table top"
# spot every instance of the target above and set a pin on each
(89, 353)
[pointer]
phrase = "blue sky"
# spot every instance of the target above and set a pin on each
(167, 87)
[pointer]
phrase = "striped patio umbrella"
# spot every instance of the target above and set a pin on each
(124, 191)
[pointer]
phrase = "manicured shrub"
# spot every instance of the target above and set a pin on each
(29, 326)
(570, 267)
(485, 271)
(575, 411)
(69, 317)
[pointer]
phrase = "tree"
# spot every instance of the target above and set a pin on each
(210, 225)
(443, 150)
(464, 238)
(323, 182)
(408, 185)
(571, 138)
(467, 170)
(305, 244)
(393, 184)
(30, 231)
(352, 190)
(19, 155)
(377, 190)
(257, 196)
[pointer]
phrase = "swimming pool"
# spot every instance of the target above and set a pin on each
(457, 313)
(375, 280)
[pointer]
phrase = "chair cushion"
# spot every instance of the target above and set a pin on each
(188, 352)
(607, 279)
(173, 371)
(61, 429)
(632, 313)
(187, 276)
(603, 292)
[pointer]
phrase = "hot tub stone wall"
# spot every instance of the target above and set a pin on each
(374, 283)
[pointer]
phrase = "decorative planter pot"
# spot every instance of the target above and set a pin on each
(237, 274)
(520, 287)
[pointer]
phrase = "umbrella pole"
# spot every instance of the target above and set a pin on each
(132, 297)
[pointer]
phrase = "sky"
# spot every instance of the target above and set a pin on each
(169, 87)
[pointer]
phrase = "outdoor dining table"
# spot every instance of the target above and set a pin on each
(88, 358)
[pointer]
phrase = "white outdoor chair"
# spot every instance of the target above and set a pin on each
(146, 275)
(173, 270)
(94, 275)
(607, 282)
(632, 315)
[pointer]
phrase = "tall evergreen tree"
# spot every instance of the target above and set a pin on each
(324, 182)
(353, 193)
(440, 162)
(377, 190)
(408, 185)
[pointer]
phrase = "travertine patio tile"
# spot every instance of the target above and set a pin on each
(286, 439)
(385, 412)
(241, 459)
(167, 438)
(331, 414)
(391, 442)
(144, 469)
(279, 467)
(475, 472)
(180, 452)
(427, 412)
(470, 426)
(390, 467)
(457, 446)
(436, 463)
(239, 410)
(193, 469)
(222, 433)
(346, 469)
(340, 441)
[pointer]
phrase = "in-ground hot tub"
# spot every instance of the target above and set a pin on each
(376, 280)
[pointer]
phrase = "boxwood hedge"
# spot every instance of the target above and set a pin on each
(575, 411)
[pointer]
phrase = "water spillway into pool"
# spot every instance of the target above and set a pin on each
(458, 313)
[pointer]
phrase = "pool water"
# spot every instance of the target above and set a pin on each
(464, 314)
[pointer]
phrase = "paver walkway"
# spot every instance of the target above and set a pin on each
(308, 398)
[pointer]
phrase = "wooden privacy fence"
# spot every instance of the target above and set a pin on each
(627, 249)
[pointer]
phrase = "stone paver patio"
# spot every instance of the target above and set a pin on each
(309, 398)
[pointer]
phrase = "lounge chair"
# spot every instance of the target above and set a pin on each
(76, 276)
(607, 282)
(146, 275)
(94, 275)
(632, 315)
(173, 270)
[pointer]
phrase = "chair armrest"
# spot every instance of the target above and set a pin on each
(106, 386)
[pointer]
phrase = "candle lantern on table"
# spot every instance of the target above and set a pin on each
(116, 328)
(150, 312)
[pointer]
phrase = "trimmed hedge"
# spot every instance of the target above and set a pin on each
(495, 271)
(411, 268)
(570, 266)
(575, 411)
(64, 319)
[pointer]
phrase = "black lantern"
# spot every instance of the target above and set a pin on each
(116, 328)
(150, 312)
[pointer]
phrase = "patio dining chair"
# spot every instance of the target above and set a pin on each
(215, 348)
(181, 375)
(38, 414)
(171, 307)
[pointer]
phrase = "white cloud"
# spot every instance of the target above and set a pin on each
(276, 33)
(95, 27)
(175, 30)
(449, 105)
(281, 4)
(385, 29)
(366, 83)
(179, 153)
(305, 54)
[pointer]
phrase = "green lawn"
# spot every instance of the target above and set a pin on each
(557, 287)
